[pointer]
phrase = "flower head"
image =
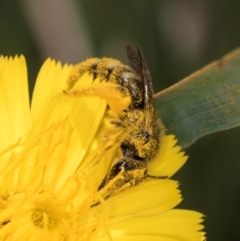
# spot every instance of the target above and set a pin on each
(51, 168)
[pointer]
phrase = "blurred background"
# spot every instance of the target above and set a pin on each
(177, 37)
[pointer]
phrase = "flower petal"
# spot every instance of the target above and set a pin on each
(177, 224)
(150, 197)
(51, 81)
(139, 238)
(168, 160)
(14, 101)
(76, 114)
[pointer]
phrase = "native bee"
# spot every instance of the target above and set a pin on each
(129, 94)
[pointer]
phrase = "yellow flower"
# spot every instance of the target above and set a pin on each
(50, 170)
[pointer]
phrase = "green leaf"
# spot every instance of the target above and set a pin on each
(205, 102)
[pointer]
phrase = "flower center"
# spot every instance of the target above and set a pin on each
(47, 213)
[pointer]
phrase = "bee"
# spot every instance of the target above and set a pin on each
(129, 95)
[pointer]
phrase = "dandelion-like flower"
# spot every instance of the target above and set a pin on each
(50, 176)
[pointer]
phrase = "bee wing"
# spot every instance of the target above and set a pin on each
(139, 64)
(135, 60)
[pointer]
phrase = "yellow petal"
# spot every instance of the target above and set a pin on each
(150, 197)
(81, 116)
(51, 81)
(169, 158)
(177, 224)
(138, 238)
(14, 101)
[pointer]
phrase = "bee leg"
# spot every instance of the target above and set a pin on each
(158, 177)
(123, 174)
(118, 97)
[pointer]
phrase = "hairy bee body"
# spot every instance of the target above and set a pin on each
(131, 100)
